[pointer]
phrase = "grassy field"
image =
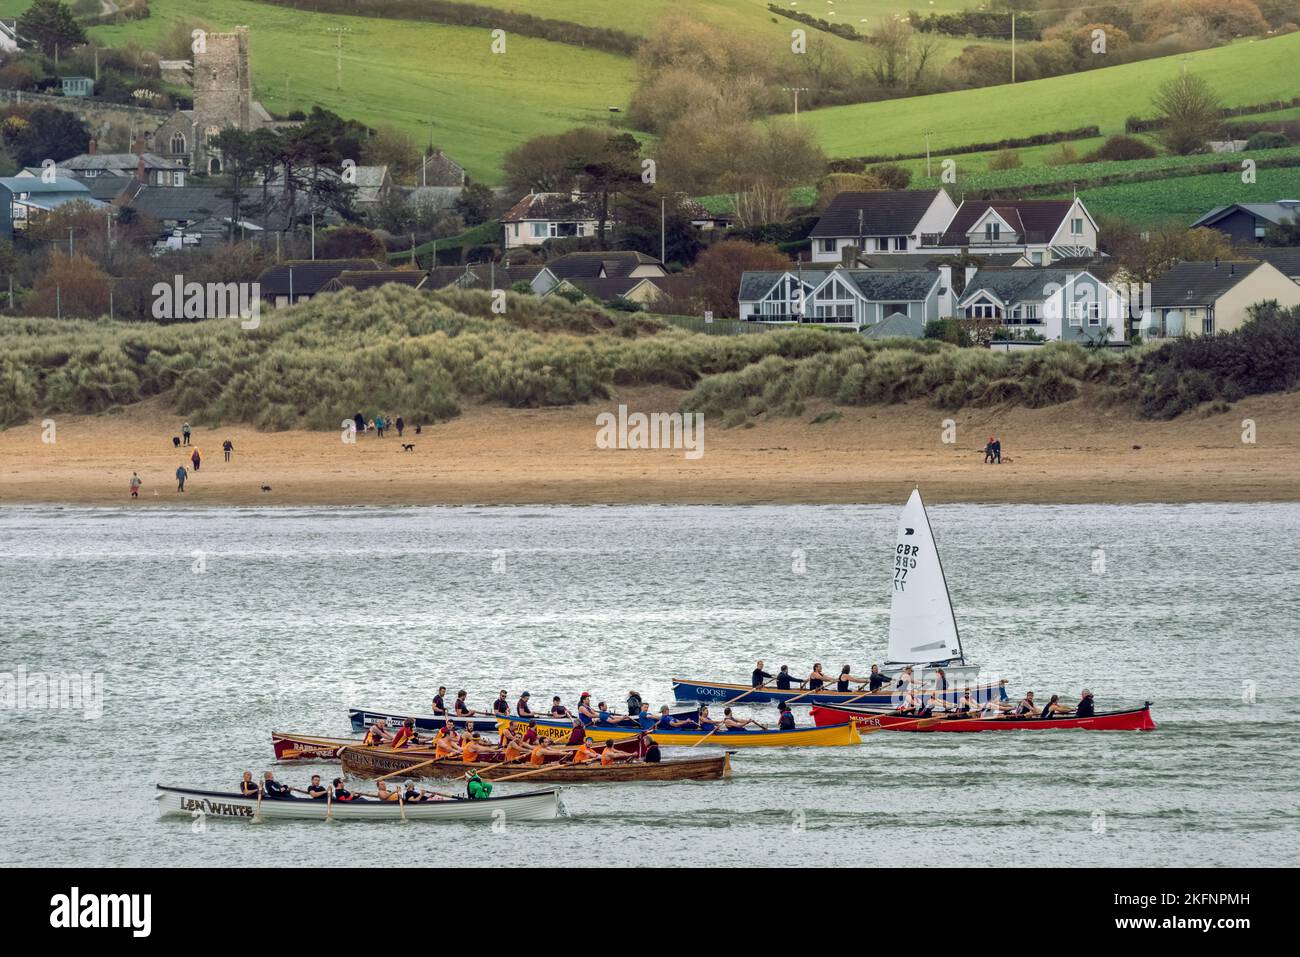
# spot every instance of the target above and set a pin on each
(1186, 198)
(1246, 72)
(408, 75)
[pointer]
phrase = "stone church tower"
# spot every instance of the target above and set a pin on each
(223, 98)
(223, 82)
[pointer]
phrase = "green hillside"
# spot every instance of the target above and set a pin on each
(1246, 72)
(1185, 199)
(404, 74)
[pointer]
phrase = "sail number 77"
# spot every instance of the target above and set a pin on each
(904, 561)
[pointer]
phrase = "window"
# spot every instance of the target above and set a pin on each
(1076, 227)
(1207, 324)
(178, 143)
(992, 232)
(982, 310)
(1036, 258)
(541, 230)
(828, 245)
(900, 243)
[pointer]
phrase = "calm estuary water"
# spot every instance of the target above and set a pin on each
(212, 627)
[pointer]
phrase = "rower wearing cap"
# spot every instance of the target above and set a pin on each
(413, 795)
(586, 712)
(785, 719)
(501, 706)
(472, 748)
(1087, 708)
(439, 704)
(585, 752)
(521, 706)
(476, 789)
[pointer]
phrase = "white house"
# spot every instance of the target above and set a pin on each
(1042, 230)
(542, 216)
(1058, 304)
(880, 221)
(853, 298)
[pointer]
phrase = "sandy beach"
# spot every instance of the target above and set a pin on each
(1070, 453)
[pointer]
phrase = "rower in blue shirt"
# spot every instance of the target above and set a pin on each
(667, 722)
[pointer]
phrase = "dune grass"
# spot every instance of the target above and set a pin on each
(429, 354)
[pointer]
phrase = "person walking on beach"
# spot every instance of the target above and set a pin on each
(997, 451)
(400, 426)
(195, 458)
(185, 434)
(360, 420)
(988, 451)
(181, 475)
(379, 426)
(135, 484)
(227, 447)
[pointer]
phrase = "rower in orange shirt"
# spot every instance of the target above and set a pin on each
(445, 746)
(585, 752)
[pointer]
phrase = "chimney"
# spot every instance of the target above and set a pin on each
(92, 146)
(139, 169)
(849, 257)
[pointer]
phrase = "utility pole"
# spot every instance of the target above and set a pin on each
(313, 235)
(338, 55)
(1013, 46)
(796, 90)
(663, 241)
(413, 249)
(928, 134)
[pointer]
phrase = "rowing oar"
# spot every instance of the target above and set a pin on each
(544, 767)
(919, 722)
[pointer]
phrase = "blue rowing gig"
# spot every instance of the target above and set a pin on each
(717, 692)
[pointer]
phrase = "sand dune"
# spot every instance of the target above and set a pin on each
(1068, 453)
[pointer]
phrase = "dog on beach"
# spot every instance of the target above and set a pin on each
(408, 446)
(176, 441)
(266, 488)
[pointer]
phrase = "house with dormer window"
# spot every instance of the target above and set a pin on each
(1063, 305)
(1044, 231)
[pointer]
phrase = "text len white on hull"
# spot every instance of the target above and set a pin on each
(921, 624)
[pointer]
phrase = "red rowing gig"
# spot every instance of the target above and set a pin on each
(1134, 719)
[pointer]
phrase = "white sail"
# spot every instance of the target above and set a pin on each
(921, 624)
